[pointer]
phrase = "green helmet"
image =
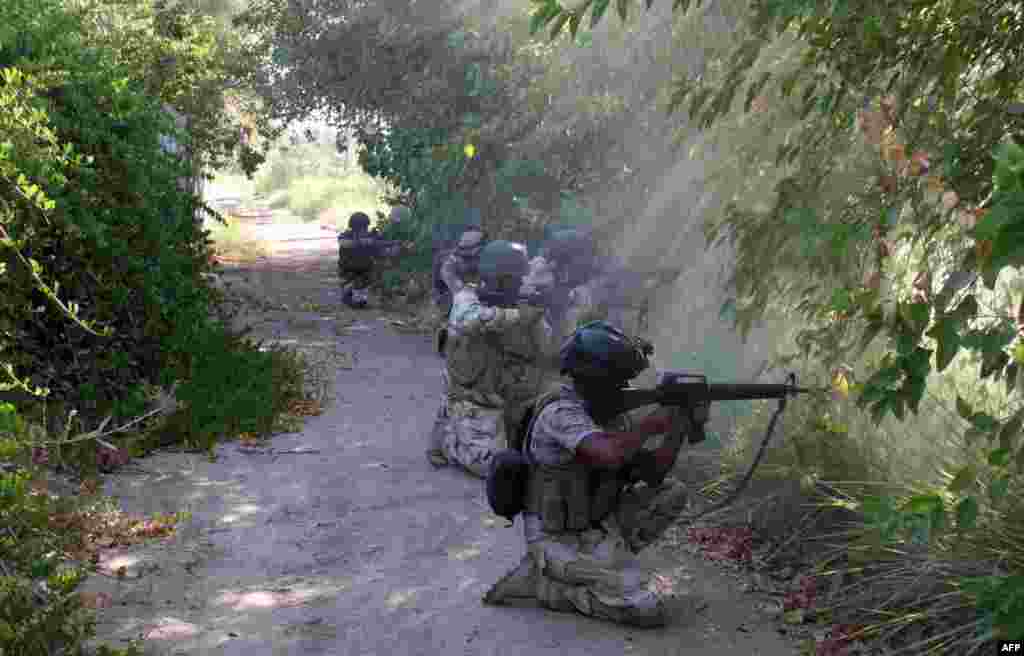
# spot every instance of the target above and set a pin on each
(502, 258)
(599, 351)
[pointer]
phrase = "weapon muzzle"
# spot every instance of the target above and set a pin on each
(750, 391)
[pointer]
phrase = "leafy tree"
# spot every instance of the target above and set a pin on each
(893, 209)
(458, 113)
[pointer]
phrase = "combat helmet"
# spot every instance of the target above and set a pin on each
(598, 351)
(501, 259)
(359, 222)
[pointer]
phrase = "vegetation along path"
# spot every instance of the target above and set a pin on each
(342, 540)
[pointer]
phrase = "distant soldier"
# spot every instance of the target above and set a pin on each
(454, 268)
(358, 249)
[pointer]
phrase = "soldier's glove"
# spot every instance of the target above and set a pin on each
(644, 467)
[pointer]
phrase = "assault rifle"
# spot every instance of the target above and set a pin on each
(692, 392)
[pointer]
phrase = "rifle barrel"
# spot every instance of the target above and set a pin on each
(749, 391)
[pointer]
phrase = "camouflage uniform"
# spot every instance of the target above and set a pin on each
(448, 274)
(492, 373)
(592, 571)
(357, 251)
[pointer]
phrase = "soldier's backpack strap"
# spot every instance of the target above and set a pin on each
(525, 427)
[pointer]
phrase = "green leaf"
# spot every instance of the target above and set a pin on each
(559, 23)
(984, 422)
(1009, 432)
(1010, 377)
(947, 341)
(966, 309)
(574, 24)
(993, 362)
(963, 480)
(999, 457)
(999, 488)
(914, 388)
(540, 19)
(1019, 460)
(918, 363)
(599, 7)
(878, 508)
(963, 408)
(898, 404)
(41, 568)
(1004, 212)
(922, 504)
(951, 161)
(841, 301)
(917, 315)
(623, 7)
(967, 513)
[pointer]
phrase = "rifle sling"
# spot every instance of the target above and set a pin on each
(745, 481)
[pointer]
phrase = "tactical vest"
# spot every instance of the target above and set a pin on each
(568, 498)
(356, 253)
(492, 369)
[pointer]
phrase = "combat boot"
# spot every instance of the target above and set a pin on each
(520, 584)
(435, 450)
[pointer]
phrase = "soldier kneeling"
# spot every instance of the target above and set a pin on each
(584, 514)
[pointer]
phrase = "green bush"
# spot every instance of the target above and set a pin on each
(113, 233)
(230, 387)
(36, 620)
(45, 547)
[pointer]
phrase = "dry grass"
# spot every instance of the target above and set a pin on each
(234, 242)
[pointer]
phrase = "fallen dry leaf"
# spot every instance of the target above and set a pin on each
(96, 600)
(89, 487)
(967, 219)
(306, 408)
(920, 164)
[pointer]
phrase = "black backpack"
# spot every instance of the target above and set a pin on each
(361, 255)
(509, 474)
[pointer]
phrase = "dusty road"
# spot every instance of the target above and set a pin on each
(342, 540)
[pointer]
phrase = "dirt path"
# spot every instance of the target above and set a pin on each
(342, 540)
